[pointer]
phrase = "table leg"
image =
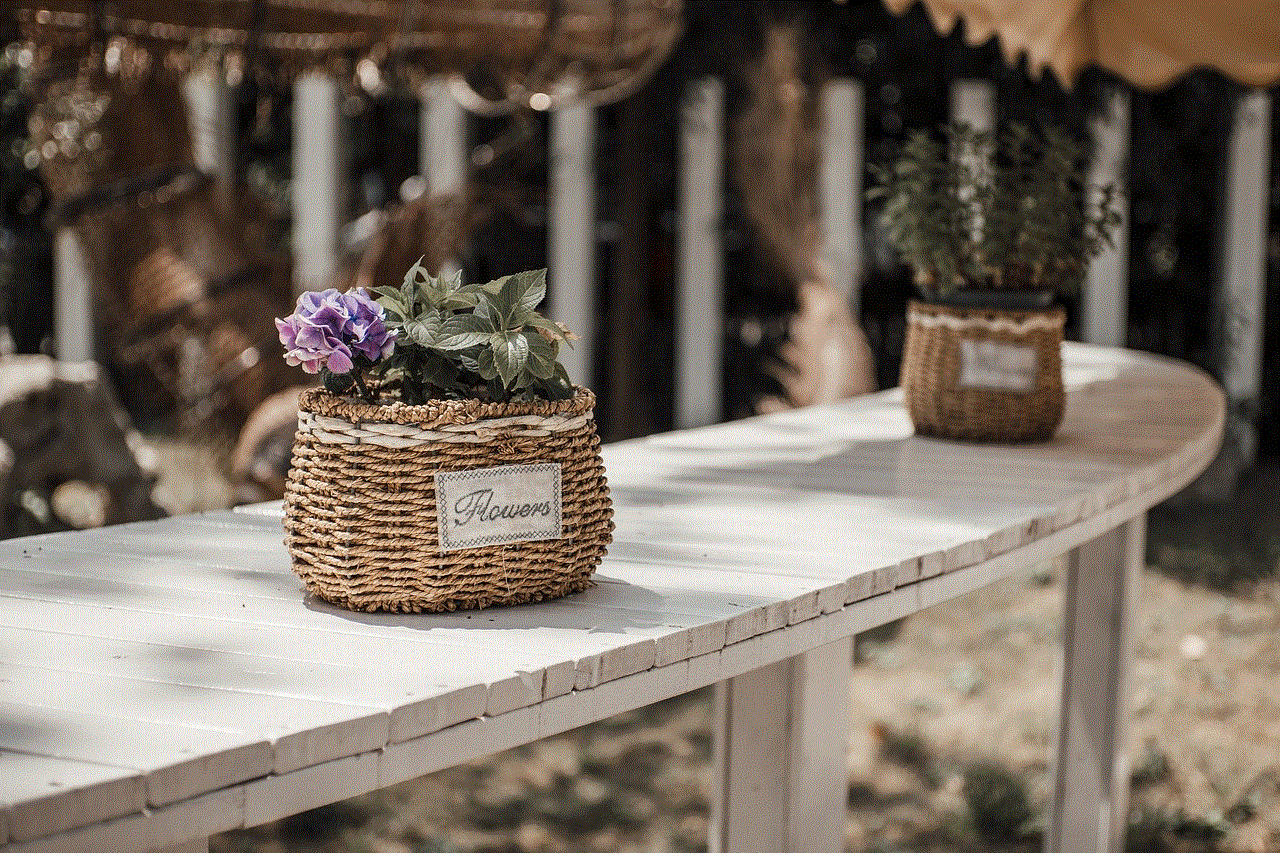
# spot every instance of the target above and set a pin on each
(1091, 802)
(782, 736)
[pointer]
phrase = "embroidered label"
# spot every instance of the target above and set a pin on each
(498, 506)
(992, 365)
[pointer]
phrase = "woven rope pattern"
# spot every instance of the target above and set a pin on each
(931, 367)
(360, 504)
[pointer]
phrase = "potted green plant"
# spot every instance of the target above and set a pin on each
(446, 461)
(993, 230)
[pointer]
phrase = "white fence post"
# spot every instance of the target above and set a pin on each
(1105, 309)
(840, 185)
(73, 315)
(319, 191)
(973, 102)
(211, 113)
(571, 255)
(442, 140)
(1241, 299)
(442, 146)
(699, 269)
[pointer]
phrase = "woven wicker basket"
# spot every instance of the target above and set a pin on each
(361, 519)
(978, 374)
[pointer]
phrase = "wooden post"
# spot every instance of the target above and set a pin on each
(973, 102)
(442, 140)
(1105, 312)
(442, 147)
(1090, 810)
(211, 112)
(840, 185)
(1241, 308)
(73, 315)
(571, 255)
(700, 261)
(319, 191)
(780, 782)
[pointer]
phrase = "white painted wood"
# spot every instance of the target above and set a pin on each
(840, 184)
(1092, 779)
(46, 795)
(155, 829)
(442, 146)
(1105, 305)
(286, 794)
(700, 256)
(211, 114)
(73, 321)
(442, 149)
(973, 102)
(818, 782)
(177, 762)
(782, 733)
(1243, 294)
(318, 189)
(741, 546)
(571, 234)
(200, 845)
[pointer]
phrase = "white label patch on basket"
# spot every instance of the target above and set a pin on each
(992, 365)
(498, 506)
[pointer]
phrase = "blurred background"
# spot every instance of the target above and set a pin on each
(692, 174)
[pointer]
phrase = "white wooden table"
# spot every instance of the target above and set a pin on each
(163, 681)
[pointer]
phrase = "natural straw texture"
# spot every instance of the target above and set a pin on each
(360, 502)
(932, 365)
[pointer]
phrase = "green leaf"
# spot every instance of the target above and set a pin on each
(485, 367)
(463, 331)
(529, 287)
(415, 273)
(539, 322)
(499, 305)
(510, 354)
(336, 383)
(425, 329)
(542, 357)
(558, 387)
(458, 300)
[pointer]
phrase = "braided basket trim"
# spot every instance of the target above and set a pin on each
(337, 431)
(985, 323)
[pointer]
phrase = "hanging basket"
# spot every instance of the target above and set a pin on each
(980, 374)
(450, 505)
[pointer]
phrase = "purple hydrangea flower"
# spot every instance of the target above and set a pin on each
(328, 329)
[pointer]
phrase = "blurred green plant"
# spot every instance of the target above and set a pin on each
(972, 210)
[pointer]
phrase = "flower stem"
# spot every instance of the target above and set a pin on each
(364, 389)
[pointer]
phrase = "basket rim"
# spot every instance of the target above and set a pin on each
(936, 308)
(438, 412)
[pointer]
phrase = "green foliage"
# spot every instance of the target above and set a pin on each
(998, 803)
(995, 213)
(486, 341)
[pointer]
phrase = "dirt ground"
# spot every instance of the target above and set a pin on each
(952, 721)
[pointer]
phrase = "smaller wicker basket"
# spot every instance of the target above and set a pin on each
(978, 374)
(361, 519)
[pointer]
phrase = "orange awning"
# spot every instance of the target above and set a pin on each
(1147, 42)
